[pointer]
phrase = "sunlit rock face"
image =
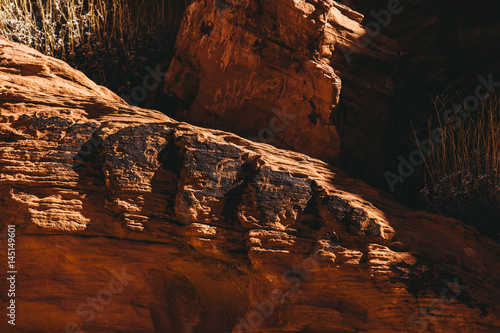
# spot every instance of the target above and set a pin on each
(283, 72)
(129, 221)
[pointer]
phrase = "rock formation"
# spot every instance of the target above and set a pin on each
(129, 221)
(354, 92)
(250, 67)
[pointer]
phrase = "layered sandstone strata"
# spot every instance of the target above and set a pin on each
(129, 221)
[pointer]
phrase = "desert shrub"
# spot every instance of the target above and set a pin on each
(463, 173)
(112, 41)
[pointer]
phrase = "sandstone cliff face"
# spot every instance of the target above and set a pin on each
(281, 72)
(129, 221)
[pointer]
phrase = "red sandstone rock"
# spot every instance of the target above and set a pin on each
(191, 229)
(238, 63)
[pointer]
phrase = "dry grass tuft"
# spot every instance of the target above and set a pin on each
(463, 173)
(58, 27)
(112, 41)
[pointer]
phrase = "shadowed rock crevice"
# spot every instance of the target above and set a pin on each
(248, 170)
(193, 299)
(177, 307)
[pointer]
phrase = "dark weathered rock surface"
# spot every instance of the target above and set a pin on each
(128, 221)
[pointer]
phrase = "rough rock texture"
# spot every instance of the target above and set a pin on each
(205, 228)
(281, 71)
(355, 93)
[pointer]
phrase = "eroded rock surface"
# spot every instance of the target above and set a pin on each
(281, 72)
(198, 230)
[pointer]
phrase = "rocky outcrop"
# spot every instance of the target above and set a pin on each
(352, 94)
(281, 72)
(129, 221)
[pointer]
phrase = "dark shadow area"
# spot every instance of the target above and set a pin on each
(189, 299)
